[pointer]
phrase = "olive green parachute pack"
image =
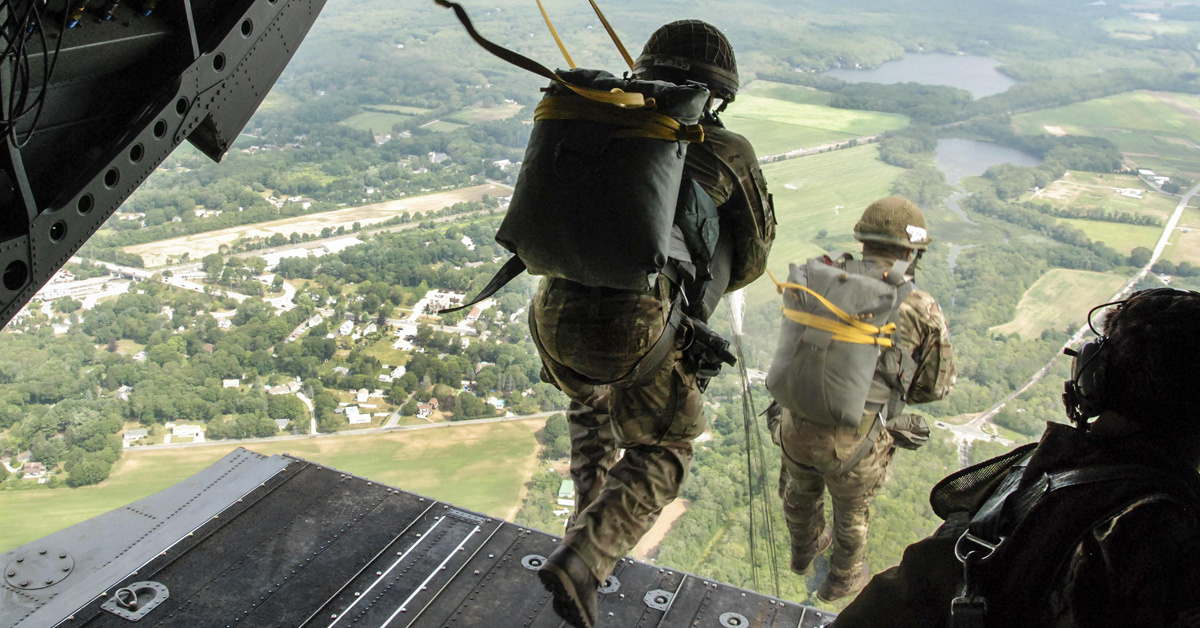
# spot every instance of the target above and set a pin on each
(596, 199)
(839, 355)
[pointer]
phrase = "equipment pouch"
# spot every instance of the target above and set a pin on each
(910, 431)
(707, 352)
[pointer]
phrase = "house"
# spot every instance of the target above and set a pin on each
(189, 431)
(423, 410)
(495, 403)
(438, 158)
(1130, 193)
(1146, 173)
(316, 319)
(398, 372)
(341, 371)
(468, 242)
(224, 323)
(355, 417)
(281, 424)
(566, 493)
(123, 393)
(33, 470)
(370, 329)
(345, 328)
(433, 403)
(284, 389)
(130, 436)
(361, 395)
(208, 347)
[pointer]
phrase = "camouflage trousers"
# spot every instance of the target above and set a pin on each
(587, 336)
(812, 456)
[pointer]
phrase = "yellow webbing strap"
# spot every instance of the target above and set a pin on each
(613, 34)
(615, 97)
(553, 32)
(635, 123)
(850, 330)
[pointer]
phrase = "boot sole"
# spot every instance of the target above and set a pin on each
(566, 600)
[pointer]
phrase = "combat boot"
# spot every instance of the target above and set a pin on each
(802, 559)
(836, 588)
(573, 586)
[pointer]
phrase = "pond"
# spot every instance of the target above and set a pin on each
(977, 75)
(969, 158)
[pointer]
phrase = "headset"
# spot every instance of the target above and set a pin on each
(1079, 392)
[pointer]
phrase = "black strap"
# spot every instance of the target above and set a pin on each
(509, 271)
(865, 447)
(1008, 506)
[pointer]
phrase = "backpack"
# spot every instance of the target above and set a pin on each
(838, 355)
(596, 200)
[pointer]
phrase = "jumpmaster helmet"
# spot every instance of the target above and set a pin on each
(893, 221)
(691, 50)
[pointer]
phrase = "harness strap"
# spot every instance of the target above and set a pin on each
(985, 534)
(616, 97)
(509, 271)
(633, 123)
(848, 464)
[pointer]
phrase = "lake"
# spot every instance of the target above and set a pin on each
(977, 75)
(969, 158)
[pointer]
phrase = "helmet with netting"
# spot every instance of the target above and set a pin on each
(691, 50)
(893, 221)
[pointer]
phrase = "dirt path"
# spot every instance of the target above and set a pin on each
(647, 548)
(527, 471)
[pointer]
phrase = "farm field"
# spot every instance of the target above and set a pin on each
(828, 192)
(1185, 245)
(498, 458)
(777, 118)
(1157, 130)
(472, 115)
(201, 244)
(1053, 301)
(1092, 190)
(1122, 237)
(442, 126)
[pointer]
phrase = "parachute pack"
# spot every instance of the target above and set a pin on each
(597, 195)
(838, 345)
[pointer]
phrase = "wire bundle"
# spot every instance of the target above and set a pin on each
(22, 30)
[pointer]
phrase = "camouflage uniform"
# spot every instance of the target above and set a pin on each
(590, 339)
(813, 453)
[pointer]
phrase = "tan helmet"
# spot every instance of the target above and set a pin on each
(894, 221)
(691, 50)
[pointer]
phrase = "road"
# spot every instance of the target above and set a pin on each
(312, 413)
(804, 152)
(974, 427)
(373, 430)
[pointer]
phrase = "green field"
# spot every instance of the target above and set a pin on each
(1089, 190)
(1185, 245)
(473, 115)
(828, 192)
(377, 122)
(382, 350)
(442, 126)
(496, 458)
(1154, 129)
(401, 109)
(1124, 238)
(777, 118)
(1056, 301)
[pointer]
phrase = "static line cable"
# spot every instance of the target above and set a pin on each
(613, 34)
(749, 412)
(553, 32)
